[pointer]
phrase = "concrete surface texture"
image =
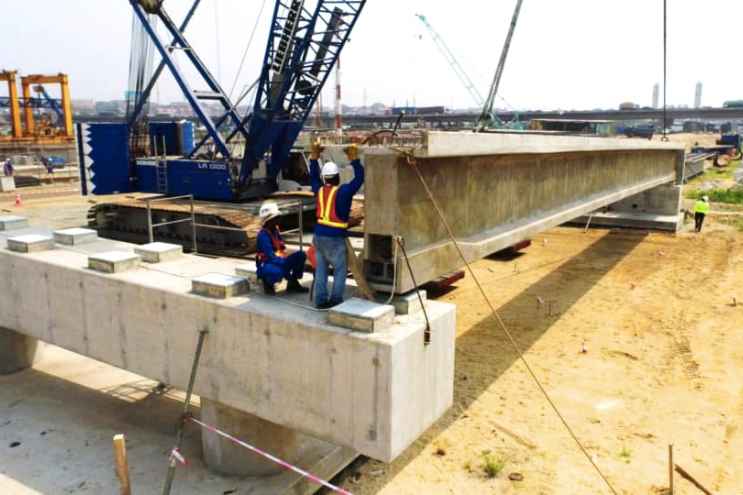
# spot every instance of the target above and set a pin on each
(270, 357)
(288, 445)
(17, 352)
(495, 190)
(60, 416)
(74, 236)
(657, 209)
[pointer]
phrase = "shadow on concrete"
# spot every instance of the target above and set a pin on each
(67, 429)
(483, 354)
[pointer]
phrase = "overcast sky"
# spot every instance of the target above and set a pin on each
(569, 54)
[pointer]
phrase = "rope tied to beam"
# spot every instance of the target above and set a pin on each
(411, 161)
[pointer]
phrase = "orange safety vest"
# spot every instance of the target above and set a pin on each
(279, 248)
(326, 214)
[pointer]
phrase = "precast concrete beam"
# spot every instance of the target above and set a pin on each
(495, 190)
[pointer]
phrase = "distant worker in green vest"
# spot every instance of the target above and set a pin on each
(701, 208)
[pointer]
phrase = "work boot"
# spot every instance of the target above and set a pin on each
(325, 305)
(294, 286)
(268, 288)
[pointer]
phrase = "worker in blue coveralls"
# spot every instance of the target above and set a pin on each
(273, 263)
(333, 210)
(8, 168)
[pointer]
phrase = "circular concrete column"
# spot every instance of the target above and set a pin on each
(17, 352)
(225, 457)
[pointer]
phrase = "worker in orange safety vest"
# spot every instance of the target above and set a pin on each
(334, 202)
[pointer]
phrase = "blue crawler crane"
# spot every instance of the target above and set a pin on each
(240, 159)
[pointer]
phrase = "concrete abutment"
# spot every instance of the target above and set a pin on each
(17, 351)
(225, 457)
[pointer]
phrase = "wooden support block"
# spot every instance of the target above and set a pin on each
(357, 270)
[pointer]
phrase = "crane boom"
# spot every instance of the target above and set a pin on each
(453, 62)
(487, 110)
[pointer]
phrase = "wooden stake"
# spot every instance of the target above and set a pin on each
(122, 464)
(670, 469)
(691, 479)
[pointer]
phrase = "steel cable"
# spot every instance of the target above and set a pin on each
(412, 162)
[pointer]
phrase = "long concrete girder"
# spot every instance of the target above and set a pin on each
(495, 190)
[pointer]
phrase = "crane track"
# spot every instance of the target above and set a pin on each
(236, 225)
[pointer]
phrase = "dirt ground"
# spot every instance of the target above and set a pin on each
(691, 139)
(663, 364)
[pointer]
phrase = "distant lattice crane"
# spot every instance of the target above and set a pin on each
(488, 111)
(453, 62)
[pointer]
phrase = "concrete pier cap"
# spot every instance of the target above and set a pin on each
(273, 368)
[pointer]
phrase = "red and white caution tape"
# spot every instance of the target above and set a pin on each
(176, 454)
(271, 458)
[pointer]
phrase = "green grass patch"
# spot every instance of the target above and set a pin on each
(735, 221)
(492, 465)
(625, 454)
(733, 196)
(717, 173)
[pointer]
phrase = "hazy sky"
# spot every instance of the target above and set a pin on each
(566, 54)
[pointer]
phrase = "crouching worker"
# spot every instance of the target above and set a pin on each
(273, 263)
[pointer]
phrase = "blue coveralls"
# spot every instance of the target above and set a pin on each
(274, 268)
(330, 242)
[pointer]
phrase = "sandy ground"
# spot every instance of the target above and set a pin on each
(691, 139)
(664, 364)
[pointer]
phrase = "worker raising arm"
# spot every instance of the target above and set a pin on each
(333, 210)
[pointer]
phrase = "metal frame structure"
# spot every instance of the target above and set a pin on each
(62, 107)
(194, 225)
(453, 62)
(488, 110)
(303, 47)
(194, 98)
(10, 76)
(40, 80)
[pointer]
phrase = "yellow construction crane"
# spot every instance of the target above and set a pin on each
(42, 132)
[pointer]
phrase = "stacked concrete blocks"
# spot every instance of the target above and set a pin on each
(220, 286)
(362, 316)
(31, 243)
(75, 236)
(158, 252)
(12, 222)
(113, 261)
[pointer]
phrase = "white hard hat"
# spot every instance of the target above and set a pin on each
(705, 199)
(269, 210)
(329, 169)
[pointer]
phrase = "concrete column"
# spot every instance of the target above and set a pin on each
(17, 352)
(225, 457)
